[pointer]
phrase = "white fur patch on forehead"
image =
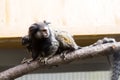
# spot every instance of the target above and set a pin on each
(40, 24)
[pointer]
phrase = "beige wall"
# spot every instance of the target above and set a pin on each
(75, 16)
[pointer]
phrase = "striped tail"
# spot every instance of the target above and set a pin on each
(116, 66)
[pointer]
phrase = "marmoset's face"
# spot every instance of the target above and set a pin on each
(43, 32)
(39, 30)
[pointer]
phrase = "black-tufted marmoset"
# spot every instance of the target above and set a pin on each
(46, 42)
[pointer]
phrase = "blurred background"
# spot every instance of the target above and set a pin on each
(87, 20)
(79, 17)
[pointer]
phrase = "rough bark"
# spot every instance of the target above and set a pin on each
(85, 52)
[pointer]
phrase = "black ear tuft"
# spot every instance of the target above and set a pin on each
(47, 23)
(33, 27)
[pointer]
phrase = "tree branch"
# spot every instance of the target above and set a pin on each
(85, 52)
